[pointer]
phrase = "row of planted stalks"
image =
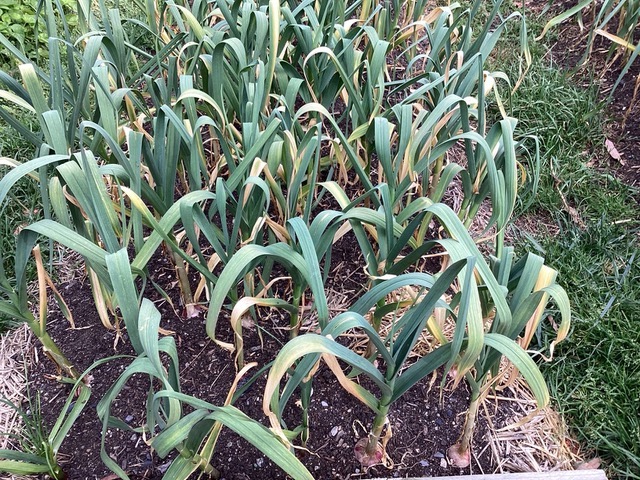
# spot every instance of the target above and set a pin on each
(210, 132)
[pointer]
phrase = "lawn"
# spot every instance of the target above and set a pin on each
(585, 221)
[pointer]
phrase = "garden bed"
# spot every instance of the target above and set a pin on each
(425, 422)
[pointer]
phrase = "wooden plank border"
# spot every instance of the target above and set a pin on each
(560, 475)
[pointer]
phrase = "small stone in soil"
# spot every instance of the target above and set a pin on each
(334, 431)
(260, 462)
(424, 463)
(438, 455)
(324, 404)
(443, 463)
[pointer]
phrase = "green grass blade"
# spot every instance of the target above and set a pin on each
(24, 169)
(558, 19)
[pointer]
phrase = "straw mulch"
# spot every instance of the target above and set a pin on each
(534, 439)
(16, 351)
(15, 348)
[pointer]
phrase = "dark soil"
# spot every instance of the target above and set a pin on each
(425, 422)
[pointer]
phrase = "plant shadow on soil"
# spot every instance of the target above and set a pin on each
(424, 422)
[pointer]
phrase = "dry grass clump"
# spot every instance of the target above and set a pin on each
(534, 439)
(15, 348)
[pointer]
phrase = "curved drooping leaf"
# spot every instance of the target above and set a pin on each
(523, 362)
(252, 431)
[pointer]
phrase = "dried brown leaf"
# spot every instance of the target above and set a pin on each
(613, 152)
(592, 464)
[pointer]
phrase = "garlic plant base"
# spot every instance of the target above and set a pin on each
(458, 457)
(365, 459)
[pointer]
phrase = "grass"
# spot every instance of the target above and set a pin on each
(22, 209)
(33, 438)
(592, 240)
(596, 378)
